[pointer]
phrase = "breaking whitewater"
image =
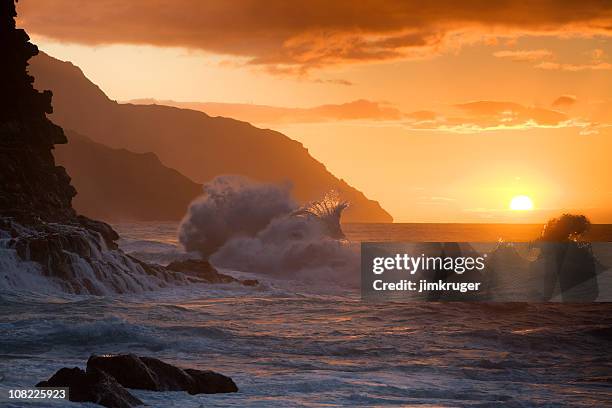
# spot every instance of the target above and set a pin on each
(301, 336)
(237, 224)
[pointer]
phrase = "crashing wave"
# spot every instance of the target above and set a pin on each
(292, 247)
(232, 206)
(328, 211)
(306, 244)
(257, 227)
(71, 258)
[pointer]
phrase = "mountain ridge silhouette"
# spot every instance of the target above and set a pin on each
(120, 185)
(195, 144)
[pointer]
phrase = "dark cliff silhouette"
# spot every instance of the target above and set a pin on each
(43, 236)
(197, 145)
(116, 184)
(32, 186)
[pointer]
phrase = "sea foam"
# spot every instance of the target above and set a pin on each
(257, 227)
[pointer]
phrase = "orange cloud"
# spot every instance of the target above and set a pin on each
(512, 113)
(483, 116)
(356, 110)
(524, 55)
(596, 66)
(295, 37)
(596, 63)
(338, 81)
(564, 101)
(469, 117)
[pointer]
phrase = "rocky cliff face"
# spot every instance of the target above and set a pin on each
(32, 186)
(44, 244)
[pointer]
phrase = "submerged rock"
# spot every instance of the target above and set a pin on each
(92, 385)
(250, 282)
(148, 373)
(204, 270)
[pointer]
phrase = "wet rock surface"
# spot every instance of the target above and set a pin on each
(38, 224)
(202, 269)
(106, 378)
(31, 185)
(79, 260)
(148, 373)
(92, 385)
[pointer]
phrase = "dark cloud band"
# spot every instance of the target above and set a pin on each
(299, 35)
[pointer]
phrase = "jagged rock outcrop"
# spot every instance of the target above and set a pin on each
(32, 185)
(147, 373)
(105, 377)
(92, 385)
(202, 269)
(75, 259)
(40, 233)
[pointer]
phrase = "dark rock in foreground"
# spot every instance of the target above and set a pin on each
(92, 385)
(204, 270)
(146, 373)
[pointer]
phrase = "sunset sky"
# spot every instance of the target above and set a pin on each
(441, 112)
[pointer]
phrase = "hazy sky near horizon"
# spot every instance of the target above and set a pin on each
(441, 112)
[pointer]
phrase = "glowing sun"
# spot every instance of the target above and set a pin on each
(521, 203)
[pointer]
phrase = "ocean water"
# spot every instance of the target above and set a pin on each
(292, 343)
